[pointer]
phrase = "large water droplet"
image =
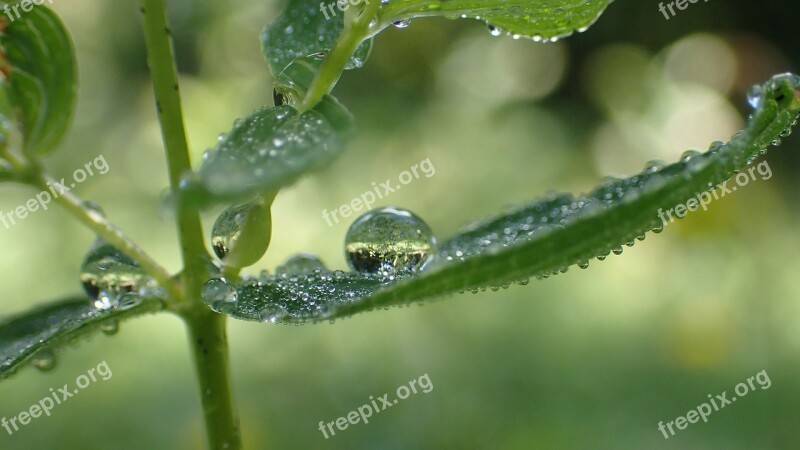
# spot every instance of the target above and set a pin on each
(107, 274)
(241, 234)
(389, 240)
(304, 263)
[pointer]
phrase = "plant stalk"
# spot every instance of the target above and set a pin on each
(356, 29)
(206, 329)
(209, 344)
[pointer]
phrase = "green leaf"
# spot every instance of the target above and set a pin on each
(37, 333)
(540, 239)
(268, 150)
(41, 81)
(537, 19)
(303, 30)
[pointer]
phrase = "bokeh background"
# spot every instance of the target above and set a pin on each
(588, 359)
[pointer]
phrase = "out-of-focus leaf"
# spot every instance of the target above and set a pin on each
(301, 30)
(40, 77)
(31, 335)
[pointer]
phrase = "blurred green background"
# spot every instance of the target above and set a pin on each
(589, 359)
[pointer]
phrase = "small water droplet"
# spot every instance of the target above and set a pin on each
(654, 165)
(688, 155)
(755, 96)
(389, 240)
(495, 31)
(401, 24)
(304, 263)
(218, 290)
(44, 360)
(617, 250)
(110, 327)
(583, 264)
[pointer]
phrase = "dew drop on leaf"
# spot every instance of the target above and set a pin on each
(389, 240)
(304, 263)
(401, 24)
(107, 274)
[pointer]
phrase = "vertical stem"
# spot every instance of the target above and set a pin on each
(161, 60)
(210, 347)
(206, 329)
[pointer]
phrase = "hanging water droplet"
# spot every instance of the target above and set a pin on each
(110, 327)
(401, 24)
(389, 240)
(107, 273)
(303, 263)
(241, 234)
(44, 360)
(776, 142)
(755, 96)
(495, 31)
(218, 290)
(583, 264)
(617, 250)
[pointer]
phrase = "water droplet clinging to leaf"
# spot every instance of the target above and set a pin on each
(388, 241)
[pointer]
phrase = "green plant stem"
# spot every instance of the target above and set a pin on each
(106, 230)
(206, 328)
(356, 29)
(161, 60)
(209, 343)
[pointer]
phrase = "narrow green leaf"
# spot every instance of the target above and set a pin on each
(303, 30)
(536, 19)
(26, 336)
(268, 150)
(540, 239)
(41, 80)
